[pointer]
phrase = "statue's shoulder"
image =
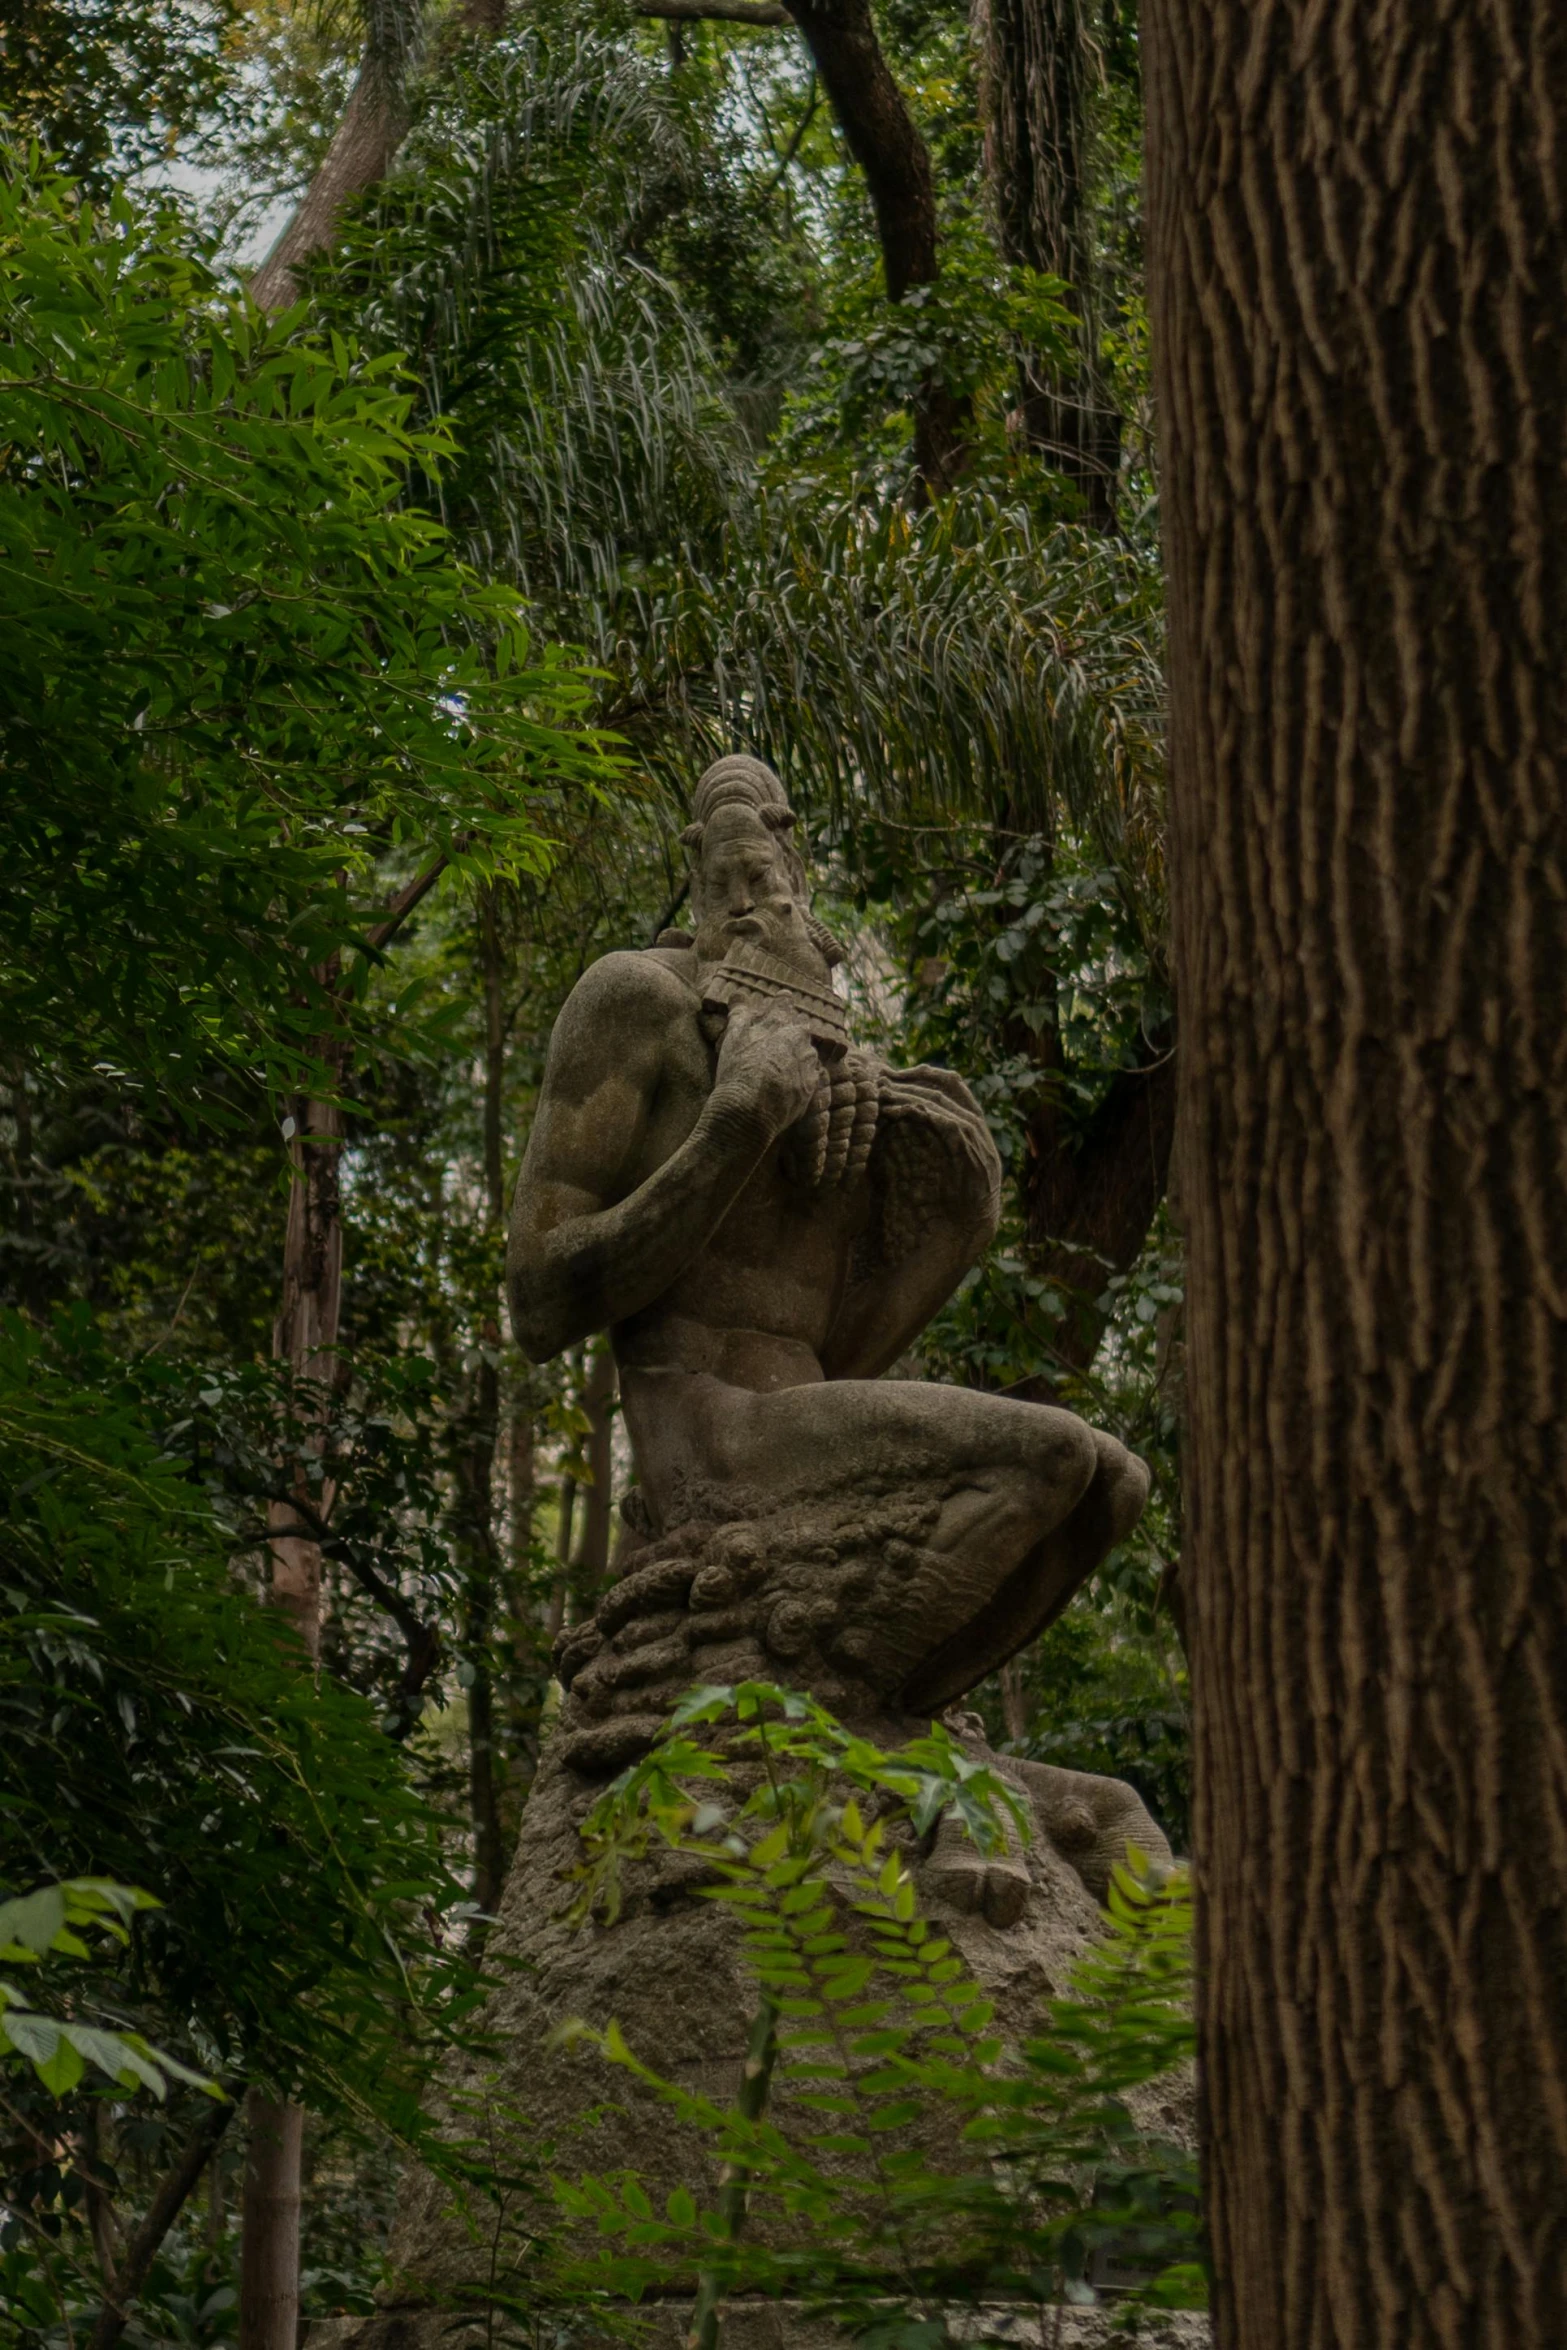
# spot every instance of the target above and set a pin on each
(630, 986)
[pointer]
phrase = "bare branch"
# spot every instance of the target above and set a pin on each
(813, 100)
(173, 2191)
(423, 1639)
(403, 905)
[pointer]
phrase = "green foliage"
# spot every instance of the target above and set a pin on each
(905, 2166)
(155, 1726)
(238, 669)
(963, 331)
(592, 435)
(109, 84)
(245, 661)
(959, 662)
(60, 2049)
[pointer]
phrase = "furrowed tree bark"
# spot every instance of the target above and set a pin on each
(882, 136)
(1359, 254)
(1037, 63)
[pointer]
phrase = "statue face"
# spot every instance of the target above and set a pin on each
(742, 887)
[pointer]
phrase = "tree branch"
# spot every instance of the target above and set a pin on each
(885, 142)
(813, 100)
(423, 1639)
(1089, 1196)
(131, 2272)
(403, 905)
(368, 136)
(880, 133)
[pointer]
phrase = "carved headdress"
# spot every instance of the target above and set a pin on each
(750, 784)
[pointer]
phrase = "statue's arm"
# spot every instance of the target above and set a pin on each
(936, 1179)
(883, 1313)
(590, 1243)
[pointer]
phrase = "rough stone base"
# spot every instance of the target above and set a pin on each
(717, 1602)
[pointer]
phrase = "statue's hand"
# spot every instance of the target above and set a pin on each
(767, 1065)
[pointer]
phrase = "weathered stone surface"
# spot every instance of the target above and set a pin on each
(765, 1218)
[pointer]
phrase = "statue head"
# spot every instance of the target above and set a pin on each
(747, 877)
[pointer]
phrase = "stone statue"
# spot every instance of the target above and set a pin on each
(764, 1218)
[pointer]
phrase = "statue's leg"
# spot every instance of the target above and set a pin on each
(1028, 1499)
(1037, 1588)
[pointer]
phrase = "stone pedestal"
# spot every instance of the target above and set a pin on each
(813, 1601)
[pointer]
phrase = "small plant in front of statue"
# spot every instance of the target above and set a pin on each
(888, 2161)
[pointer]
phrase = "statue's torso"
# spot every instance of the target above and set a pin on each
(756, 1304)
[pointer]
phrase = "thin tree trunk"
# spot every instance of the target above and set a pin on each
(885, 142)
(269, 2240)
(130, 2270)
(1037, 71)
(528, 1666)
(304, 1335)
(734, 2192)
(1359, 259)
(522, 1481)
(561, 1591)
(489, 1844)
(1014, 1704)
(373, 126)
(477, 1469)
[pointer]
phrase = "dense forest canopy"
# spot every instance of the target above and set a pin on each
(667, 383)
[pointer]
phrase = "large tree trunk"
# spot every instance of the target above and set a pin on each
(1359, 263)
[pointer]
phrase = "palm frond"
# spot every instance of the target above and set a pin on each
(933, 667)
(595, 431)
